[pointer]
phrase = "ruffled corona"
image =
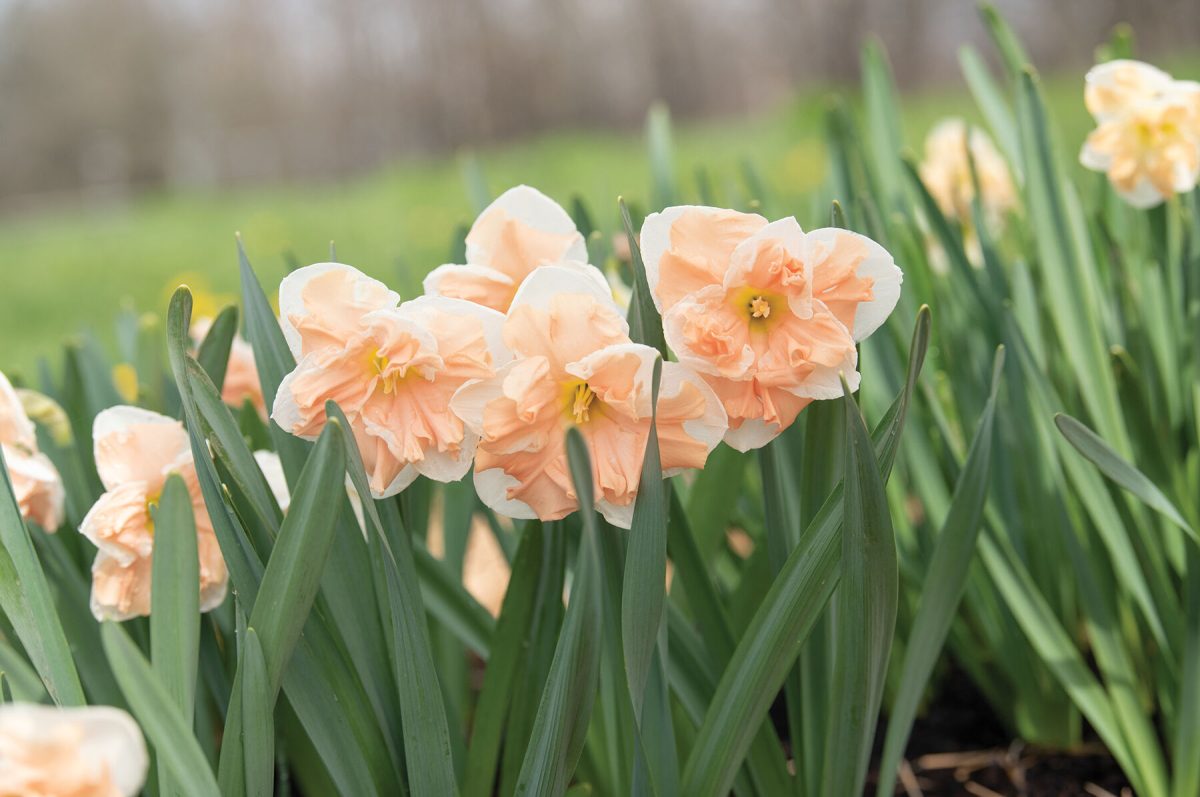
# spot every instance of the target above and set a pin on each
(136, 450)
(35, 481)
(391, 367)
(767, 314)
(574, 365)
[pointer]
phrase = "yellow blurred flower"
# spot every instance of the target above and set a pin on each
(1147, 138)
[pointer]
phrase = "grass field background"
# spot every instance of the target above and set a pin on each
(65, 268)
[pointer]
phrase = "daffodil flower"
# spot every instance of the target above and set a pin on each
(391, 367)
(36, 483)
(1147, 138)
(575, 365)
(79, 752)
(946, 172)
(520, 231)
(766, 313)
(136, 450)
(241, 372)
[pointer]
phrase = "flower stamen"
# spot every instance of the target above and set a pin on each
(760, 307)
(581, 407)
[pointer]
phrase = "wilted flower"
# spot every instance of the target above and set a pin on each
(136, 450)
(521, 230)
(946, 172)
(574, 365)
(392, 369)
(79, 752)
(241, 373)
(766, 313)
(1147, 137)
(35, 480)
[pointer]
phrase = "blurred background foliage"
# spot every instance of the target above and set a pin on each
(138, 136)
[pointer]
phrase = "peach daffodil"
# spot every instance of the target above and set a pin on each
(946, 172)
(136, 450)
(520, 231)
(575, 365)
(766, 313)
(45, 751)
(241, 372)
(391, 367)
(35, 481)
(1147, 138)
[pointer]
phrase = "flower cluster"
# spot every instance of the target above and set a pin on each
(507, 351)
(35, 480)
(136, 450)
(1147, 138)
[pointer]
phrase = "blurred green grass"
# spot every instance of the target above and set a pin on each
(72, 270)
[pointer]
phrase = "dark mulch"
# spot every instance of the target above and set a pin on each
(959, 748)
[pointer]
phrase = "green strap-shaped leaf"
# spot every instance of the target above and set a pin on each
(289, 584)
(491, 711)
(566, 704)
(1115, 467)
(258, 718)
(165, 727)
(26, 600)
(213, 354)
(645, 324)
(426, 732)
(945, 580)
(175, 604)
(778, 629)
(866, 611)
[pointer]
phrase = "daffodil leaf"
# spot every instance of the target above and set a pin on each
(945, 580)
(213, 353)
(175, 603)
(258, 720)
(645, 324)
(28, 604)
(164, 725)
(565, 708)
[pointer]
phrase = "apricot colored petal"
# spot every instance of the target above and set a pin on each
(521, 230)
(805, 356)
(538, 481)
(214, 577)
(620, 376)
(37, 487)
(119, 523)
(469, 337)
(120, 591)
(323, 304)
(708, 336)
(325, 375)
(1110, 88)
(15, 427)
(855, 278)
(691, 420)
(688, 247)
(478, 284)
(774, 260)
(133, 444)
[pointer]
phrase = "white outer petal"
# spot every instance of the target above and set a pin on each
(446, 467)
(110, 736)
(284, 412)
(1101, 74)
(882, 269)
(1094, 159)
(291, 302)
(615, 514)
(539, 211)
(546, 282)
(492, 485)
(406, 477)
(753, 433)
(469, 400)
(1143, 195)
(214, 596)
(655, 240)
(121, 417)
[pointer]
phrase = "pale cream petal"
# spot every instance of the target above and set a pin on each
(533, 208)
(322, 304)
(15, 427)
(869, 263)
(272, 470)
(492, 486)
(753, 433)
(478, 284)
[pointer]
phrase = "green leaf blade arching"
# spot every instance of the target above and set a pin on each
(866, 606)
(566, 704)
(945, 580)
(27, 603)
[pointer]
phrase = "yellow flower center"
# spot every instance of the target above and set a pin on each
(152, 502)
(763, 309)
(760, 307)
(579, 401)
(388, 381)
